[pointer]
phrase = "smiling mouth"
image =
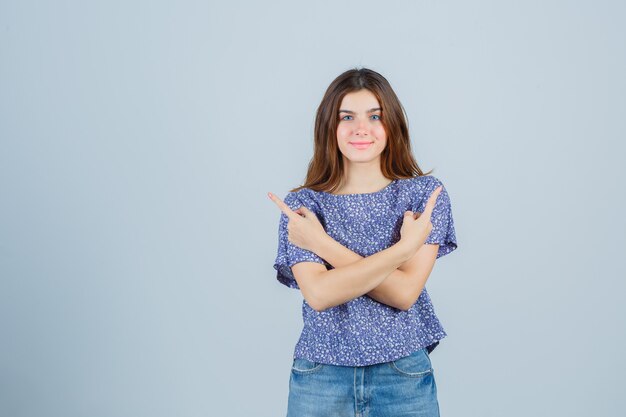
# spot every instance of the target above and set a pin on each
(361, 145)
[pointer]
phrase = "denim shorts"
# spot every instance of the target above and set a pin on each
(404, 387)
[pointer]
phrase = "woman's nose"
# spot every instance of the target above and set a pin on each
(362, 127)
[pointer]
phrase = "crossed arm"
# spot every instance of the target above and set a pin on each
(394, 276)
(402, 287)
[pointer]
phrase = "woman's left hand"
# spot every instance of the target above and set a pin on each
(305, 230)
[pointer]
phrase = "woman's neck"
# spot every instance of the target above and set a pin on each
(357, 181)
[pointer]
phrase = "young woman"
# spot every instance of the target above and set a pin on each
(359, 239)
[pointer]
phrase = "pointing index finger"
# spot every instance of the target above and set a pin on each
(282, 206)
(430, 204)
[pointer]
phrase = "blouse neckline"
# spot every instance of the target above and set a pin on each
(372, 194)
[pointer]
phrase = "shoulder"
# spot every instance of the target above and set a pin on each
(302, 197)
(423, 186)
(424, 183)
(427, 180)
(290, 198)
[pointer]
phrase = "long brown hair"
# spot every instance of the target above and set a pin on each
(326, 168)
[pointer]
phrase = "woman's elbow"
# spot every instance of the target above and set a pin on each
(311, 293)
(311, 285)
(317, 308)
(405, 307)
(407, 303)
(316, 302)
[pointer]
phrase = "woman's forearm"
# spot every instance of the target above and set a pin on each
(360, 276)
(391, 291)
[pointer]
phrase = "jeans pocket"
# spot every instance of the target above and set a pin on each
(305, 366)
(417, 364)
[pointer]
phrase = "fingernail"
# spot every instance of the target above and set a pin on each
(269, 195)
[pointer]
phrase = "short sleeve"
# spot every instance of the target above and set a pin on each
(443, 232)
(289, 254)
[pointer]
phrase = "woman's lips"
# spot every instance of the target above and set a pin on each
(361, 145)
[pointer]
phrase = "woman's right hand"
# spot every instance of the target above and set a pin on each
(417, 226)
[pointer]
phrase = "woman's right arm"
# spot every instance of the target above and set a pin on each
(323, 289)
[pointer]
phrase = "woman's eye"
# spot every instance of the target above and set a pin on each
(374, 115)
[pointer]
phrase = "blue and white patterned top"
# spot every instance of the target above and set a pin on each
(364, 331)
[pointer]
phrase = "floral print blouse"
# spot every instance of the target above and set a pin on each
(364, 331)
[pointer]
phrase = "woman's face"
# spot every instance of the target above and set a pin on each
(360, 133)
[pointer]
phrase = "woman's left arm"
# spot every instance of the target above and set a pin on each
(401, 288)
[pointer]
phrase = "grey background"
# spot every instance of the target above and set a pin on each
(139, 140)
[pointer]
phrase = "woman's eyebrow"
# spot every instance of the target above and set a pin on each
(351, 112)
